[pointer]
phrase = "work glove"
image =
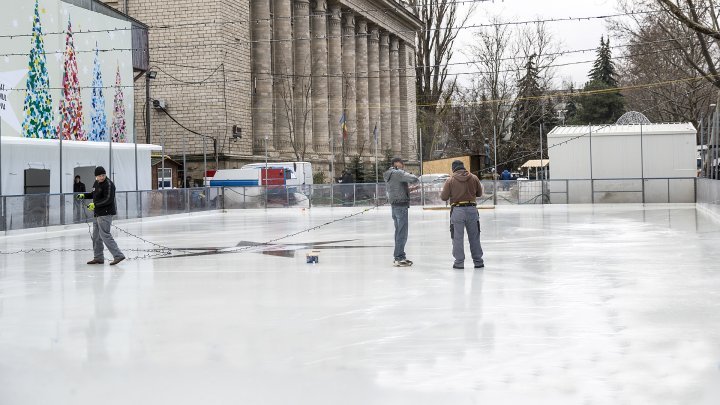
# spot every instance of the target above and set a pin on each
(91, 206)
(80, 196)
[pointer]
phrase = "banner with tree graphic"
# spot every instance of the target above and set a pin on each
(49, 69)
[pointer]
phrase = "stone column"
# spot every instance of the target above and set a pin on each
(335, 78)
(408, 105)
(374, 87)
(302, 83)
(319, 77)
(348, 67)
(411, 103)
(361, 74)
(262, 114)
(282, 73)
(395, 98)
(385, 115)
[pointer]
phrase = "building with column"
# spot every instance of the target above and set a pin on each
(279, 78)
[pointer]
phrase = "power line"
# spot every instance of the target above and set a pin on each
(469, 62)
(495, 101)
(385, 11)
(567, 141)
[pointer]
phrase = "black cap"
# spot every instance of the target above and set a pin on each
(396, 160)
(99, 170)
(458, 165)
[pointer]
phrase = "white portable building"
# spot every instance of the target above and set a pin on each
(31, 166)
(652, 163)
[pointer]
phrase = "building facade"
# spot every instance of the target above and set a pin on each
(244, 80)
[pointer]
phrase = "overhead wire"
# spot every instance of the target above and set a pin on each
(385, 10)
(310, 76)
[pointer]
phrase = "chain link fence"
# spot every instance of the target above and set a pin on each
(42, 210)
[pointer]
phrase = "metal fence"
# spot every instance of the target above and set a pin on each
(708, 195)
(41, 210)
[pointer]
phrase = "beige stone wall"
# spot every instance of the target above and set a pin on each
(220, 56)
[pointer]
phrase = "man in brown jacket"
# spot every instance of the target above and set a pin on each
(462, 189)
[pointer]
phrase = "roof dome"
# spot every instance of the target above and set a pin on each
(632, 117)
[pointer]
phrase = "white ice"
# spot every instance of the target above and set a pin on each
(577, 305)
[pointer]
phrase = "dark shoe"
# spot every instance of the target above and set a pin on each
(117, 260)
(96, 261)
(455, 266)
(479, 266)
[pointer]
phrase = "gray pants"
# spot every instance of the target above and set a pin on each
(461, 219)
(101, 234)
(400, 218)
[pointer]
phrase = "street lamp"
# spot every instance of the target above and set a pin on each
(712, 137)
(149, 75)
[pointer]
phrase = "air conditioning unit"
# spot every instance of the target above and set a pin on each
(236, 132)
(159, 104)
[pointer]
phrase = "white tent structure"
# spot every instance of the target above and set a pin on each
(29, 166)
(652, 163)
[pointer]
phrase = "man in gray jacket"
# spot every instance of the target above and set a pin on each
(398, 191)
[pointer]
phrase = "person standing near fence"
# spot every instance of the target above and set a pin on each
(103, 205)
(462, 190)
(398, 190)
(78, 211)
(506, 176)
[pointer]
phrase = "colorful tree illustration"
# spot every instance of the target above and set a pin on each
(118, 125)
(98, 117)
(71, 118)
(38, 121)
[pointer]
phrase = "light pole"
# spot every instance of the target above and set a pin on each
(149, 75)
(494, 164)
(704, 152)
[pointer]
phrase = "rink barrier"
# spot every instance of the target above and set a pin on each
(18, 212)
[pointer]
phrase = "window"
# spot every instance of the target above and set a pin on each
(164, 178)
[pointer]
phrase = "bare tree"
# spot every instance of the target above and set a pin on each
(435, 45)
(701, 18)
(662, 50)
(296, 110)
(502, 57)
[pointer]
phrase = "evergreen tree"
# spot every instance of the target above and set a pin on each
(358, 170)
(38, 121)
(603, 70)
(532, 110)
(70, 126)
(387, 162)
(529, 107)
(118, 124)
(570, 106)
(98, 117)
(601, 104)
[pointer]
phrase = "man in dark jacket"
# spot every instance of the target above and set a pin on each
(347, 189)
(398, 191)
(103, 195)
(506, 176)
(462, 190)
(78, 211)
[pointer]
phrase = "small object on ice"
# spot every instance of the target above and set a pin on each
(312, 256)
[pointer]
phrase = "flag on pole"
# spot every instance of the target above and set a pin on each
(343, 126)
(375, 134)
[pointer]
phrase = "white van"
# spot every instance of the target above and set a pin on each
(301, 172)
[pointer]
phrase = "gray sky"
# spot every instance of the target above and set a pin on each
(571, 34)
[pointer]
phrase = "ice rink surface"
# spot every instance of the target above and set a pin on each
(577, 305)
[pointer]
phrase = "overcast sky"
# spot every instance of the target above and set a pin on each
(571, 34)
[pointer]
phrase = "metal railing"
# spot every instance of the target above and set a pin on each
(41, 210)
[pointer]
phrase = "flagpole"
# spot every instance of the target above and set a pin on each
(377, 179)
